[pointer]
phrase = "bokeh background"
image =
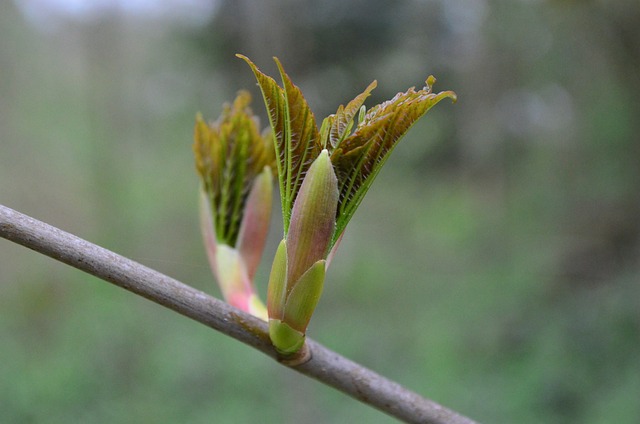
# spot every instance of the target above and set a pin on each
(494, 265)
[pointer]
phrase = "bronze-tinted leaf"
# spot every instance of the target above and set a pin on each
(274, 100)
(294, 126)
(343, 119)
(229, 154)
(358, 159)
(302, 136)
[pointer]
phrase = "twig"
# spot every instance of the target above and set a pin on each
(325, 365)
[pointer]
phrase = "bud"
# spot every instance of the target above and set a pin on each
(235, 164)
(323, 176)
(298, 270)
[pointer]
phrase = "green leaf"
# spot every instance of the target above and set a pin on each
(297, 137)
(360, 156)
(229, 154)
(342, 122)
(304, 297)
(274, 100)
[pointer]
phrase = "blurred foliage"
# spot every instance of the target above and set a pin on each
(505, 286)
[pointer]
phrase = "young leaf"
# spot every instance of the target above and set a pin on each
(302, 137)
(234, 162)
(297, 136)
(343, 118)
(358, 159)
(229, 154)
(274, 100)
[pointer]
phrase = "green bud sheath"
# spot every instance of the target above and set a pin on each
(304, 297)
(286, 340)
(297, 273)
(312, 219)
(277, 289)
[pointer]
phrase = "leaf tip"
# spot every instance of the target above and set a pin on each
(431, 80)
(246, 59)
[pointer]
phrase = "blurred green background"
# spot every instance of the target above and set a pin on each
(494, 266)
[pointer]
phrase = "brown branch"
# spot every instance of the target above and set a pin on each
(325, 366)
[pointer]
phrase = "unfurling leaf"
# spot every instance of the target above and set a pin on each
(297, 141)
(343, 121)
(234, 162)
(360, 156)
(323, 176)
(230, 153)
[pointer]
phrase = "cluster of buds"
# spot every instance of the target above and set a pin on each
(323, 175)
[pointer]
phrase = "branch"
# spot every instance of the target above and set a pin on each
(325, 365)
